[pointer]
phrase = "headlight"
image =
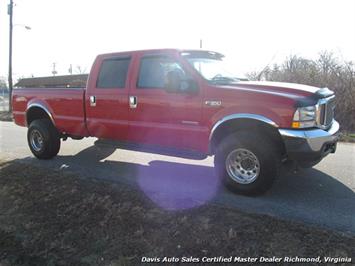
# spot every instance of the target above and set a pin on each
(306, 117)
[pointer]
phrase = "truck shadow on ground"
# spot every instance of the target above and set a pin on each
(309, 195)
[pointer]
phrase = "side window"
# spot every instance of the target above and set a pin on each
(113, 73)
(154, 71)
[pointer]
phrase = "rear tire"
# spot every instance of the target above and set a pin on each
(247, 163)
(43, 139)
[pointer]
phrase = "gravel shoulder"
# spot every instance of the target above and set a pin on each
(48, 217)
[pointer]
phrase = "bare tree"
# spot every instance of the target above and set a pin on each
(326, 71)
(80, 70)
(3, 83)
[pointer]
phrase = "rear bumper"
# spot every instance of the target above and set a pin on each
(307, 146)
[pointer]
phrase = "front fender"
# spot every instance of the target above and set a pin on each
(250, 116)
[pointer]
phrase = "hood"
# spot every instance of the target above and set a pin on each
(286, 89)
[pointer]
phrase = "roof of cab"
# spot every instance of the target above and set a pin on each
(164, 50)
(141, 51)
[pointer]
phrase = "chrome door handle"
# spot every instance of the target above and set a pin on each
(133, 101)
(92, 100)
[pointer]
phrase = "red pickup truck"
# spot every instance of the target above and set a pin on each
(185, 101)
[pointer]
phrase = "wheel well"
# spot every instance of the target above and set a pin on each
(245, 124)
(35, 113)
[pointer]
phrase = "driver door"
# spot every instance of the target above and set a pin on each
(160, 116)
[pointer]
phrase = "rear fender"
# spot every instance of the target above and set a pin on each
(38, 105)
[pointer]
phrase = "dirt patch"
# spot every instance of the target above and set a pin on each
(51, 218)
(5, 116)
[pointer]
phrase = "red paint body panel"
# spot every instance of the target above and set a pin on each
(165, 118)
(65, 105)
(179, 120)
(109, 118)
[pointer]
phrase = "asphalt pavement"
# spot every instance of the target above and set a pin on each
(320, 196)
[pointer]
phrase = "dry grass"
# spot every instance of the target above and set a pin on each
(51, 218)
(347, 137)
(5, 116)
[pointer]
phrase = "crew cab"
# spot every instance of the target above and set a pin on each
(185, 102)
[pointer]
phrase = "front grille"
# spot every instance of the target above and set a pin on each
(327, 112)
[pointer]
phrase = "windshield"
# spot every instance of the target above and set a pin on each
(212, 68)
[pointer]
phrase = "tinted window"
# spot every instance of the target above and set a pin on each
(154, 71)
(113, 73)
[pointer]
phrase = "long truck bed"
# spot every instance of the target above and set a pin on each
(65, 106)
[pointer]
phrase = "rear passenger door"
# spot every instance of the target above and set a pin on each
(107, 98)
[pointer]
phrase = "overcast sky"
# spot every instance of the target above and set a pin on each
(250, 32)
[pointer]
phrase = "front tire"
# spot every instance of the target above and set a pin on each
(43, 139)
(247, 163)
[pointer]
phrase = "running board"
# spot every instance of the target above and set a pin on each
(187, 154)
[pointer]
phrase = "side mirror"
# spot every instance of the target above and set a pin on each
(189, 86)
(175, 83)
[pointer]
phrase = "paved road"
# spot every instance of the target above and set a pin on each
(324, 195)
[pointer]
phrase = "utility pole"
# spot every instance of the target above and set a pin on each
(54, 72)
(10, 13)
(200, 43)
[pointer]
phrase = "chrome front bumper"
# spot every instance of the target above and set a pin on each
(312, 144)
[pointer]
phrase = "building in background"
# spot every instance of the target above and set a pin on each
(67, 81)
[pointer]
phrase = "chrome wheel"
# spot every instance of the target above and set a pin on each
(242, 166)
(36, 140)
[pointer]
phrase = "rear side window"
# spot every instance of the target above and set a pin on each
(113, 73)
